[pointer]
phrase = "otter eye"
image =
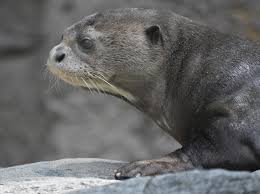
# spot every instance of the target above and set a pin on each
(86, 43)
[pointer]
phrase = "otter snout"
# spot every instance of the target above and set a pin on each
(57, 54)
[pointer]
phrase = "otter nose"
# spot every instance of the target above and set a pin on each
(59, 56)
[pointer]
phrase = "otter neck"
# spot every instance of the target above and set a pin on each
(164, 97)
(186, 55)
(169, 103)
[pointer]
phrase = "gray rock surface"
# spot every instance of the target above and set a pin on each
(191, 182)
(95, 176)
(57, 176)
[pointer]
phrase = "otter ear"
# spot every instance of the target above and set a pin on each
(154, 34)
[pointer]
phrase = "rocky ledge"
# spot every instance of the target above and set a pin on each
(80, 176)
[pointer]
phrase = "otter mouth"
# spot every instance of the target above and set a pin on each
(95, 81)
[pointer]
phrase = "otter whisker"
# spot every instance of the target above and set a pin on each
(71, 79)
(51, 85)
(94, 78)
(55, 81)
(45, 73)
(102, 89)
(56, 84)
(102, 75)
(77, 78)
(97, 86)
(115, 88)
(93, 83)
(89, 87)
(86, 84)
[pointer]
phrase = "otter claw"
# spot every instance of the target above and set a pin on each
(118, 174)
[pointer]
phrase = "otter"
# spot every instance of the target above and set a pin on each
(199, 85)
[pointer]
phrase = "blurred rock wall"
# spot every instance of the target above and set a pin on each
(44, 119)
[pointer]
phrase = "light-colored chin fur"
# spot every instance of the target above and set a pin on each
(96, 82)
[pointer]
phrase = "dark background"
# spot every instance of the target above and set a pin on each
(42, 119)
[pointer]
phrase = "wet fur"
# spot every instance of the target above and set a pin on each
(201, 86)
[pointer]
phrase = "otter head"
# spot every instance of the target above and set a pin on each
(120, 52)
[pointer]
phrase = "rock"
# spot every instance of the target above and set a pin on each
(195, 182)
(58, 176)
(80, 176)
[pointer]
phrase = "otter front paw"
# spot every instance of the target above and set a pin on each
(140, 168)
(148, 168)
